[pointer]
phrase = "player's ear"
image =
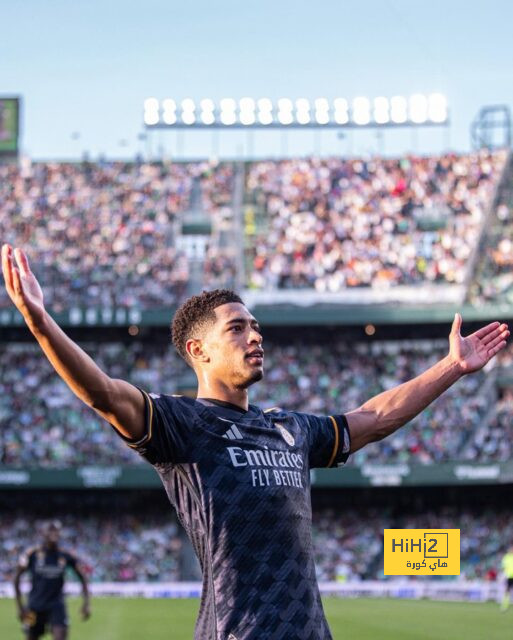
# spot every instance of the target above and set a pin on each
(196, 350)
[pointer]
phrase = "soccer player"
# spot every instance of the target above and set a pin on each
(507, 568)
(238, 477)
(47, 565)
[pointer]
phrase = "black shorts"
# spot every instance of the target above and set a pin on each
(509, 584)
(36, 622)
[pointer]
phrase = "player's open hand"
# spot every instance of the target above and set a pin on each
(21, 284)
(474, 351)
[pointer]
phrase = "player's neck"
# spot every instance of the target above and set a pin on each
(219, 391)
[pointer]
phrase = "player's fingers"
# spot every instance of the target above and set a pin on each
(492, 352)
(22, 261)
(456, 324)
(17, 286)
(481, 333)
(502, 329)
(7, 267)
(498, 340)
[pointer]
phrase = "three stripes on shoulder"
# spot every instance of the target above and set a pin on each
(233, 433)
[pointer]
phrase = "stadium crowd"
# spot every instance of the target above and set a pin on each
(110, 548)
(52, 428)
(348, 542)
(334, 223)
(43, 424)
(349, 546)
(104, 234)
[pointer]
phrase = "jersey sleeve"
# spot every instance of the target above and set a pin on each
(71, 560)
(328, 439)
(166, 432)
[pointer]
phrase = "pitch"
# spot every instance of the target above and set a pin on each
(362, 619)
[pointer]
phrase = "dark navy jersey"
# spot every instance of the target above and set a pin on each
(240, 483)
(46, 568)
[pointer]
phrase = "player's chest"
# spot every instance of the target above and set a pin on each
(49, 566)
(261, 431)
(250, 455)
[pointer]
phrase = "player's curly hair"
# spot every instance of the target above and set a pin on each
(195, 313)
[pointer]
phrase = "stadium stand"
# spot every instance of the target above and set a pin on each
(334, 224)
(493, 280)
(105, 234)
(111, 548)
(348, 543)
(349, 546)
(109, 234)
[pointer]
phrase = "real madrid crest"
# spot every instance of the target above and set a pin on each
(286, 435)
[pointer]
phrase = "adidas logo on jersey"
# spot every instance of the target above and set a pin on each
(233, 433)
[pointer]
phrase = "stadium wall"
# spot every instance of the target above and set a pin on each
(460, 590)
(367, 475)
(304, 312)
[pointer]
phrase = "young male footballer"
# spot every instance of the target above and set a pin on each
(238, 476)
(46, 608)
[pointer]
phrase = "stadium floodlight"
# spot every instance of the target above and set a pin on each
(265, 111)
(398, 109)
(207, 111)
(322, 111)
(361, 111)
(381, 110)
(247, 111)
(302, 111)
(418, 108)
(188, 111)
(437, 107)
(169, 111)
(188, 105)
(151, 111)
(228, 111)
(341, 110)
(285, 107)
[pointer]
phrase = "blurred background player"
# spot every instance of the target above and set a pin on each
(47, 565)
(507, 567)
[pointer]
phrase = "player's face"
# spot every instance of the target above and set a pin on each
(234, 345)
(51, 536)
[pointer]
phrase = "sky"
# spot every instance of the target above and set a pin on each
(84, 68)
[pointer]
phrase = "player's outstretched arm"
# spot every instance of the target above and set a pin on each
(385, 413)
(85, 611)
(117, 401)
